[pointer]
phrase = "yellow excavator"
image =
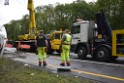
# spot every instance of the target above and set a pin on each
(27, 41)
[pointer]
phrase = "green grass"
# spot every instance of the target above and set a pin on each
(14, 72)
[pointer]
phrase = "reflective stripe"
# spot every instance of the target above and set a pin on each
(65, 44)
(24, 46)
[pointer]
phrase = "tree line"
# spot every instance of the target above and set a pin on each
(51, 17)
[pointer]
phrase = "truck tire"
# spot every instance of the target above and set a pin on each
(102, 54)
(82, 52)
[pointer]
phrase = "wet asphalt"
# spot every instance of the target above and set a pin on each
(102, 72)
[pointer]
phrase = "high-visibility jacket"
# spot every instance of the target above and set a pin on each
(67, 40)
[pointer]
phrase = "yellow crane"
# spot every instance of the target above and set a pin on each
(26, 41)
(32, 24)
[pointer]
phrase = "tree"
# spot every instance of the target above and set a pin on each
(113, 10)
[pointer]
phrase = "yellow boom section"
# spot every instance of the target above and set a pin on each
(32, 23)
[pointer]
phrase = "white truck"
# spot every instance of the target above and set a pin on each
(98, 39)
(82, 33)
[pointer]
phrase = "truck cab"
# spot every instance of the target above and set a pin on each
(82, 33)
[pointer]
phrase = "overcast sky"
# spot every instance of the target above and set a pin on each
(17, 8)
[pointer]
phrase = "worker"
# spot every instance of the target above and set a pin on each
(41, 43)
(65, 48)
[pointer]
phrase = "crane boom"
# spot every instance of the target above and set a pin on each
(32, 23)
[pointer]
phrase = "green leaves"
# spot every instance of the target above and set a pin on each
(113, 10)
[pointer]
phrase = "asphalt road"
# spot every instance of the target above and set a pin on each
(112, 72)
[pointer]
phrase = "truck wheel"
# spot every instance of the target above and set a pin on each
(102, 54)
(82, 52)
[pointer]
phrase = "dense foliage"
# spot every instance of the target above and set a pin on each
(51, 17)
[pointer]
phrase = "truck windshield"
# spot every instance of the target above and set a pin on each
(75, 29)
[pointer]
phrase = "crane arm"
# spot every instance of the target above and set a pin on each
(32, 23)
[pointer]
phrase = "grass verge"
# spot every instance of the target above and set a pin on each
(14, 72)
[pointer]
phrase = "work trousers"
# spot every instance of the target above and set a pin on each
(65, 53)
(42, 53)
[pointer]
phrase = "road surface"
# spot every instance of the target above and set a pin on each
(99, 71)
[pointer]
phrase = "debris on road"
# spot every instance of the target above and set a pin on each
(10, 50)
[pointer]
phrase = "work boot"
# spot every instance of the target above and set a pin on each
(44, 63)
(39, 63)
(62, 64)
(68, 63)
